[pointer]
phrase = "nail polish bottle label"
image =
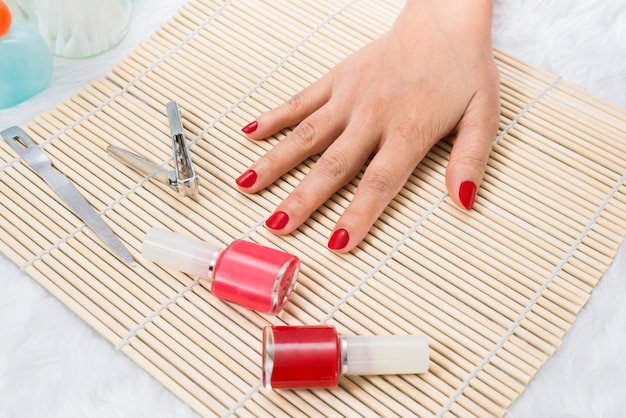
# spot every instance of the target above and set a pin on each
(301, 357)
(255, 276)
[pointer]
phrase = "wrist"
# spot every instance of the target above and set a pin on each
(469, 20)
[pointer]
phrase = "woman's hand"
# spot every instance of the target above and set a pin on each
(432, 75)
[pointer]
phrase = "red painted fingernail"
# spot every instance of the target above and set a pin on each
(339, 239)
(278, 220)
(467, 194)
(251, 127)
(247, 179)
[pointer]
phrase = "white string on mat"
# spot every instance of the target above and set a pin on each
(199, 135)
(435, 205)
(64, 239)
(99, 108)
(233, 106)
(254, 389)
(125, 89)
(125, 341)
(105, 103)
(406, 235)
(383, 261)
(536, 296)
(157, 311)
(470, 382)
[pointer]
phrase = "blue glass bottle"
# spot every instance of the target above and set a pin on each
(25, 61)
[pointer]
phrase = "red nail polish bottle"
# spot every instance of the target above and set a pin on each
(315, 356)
(244, 273)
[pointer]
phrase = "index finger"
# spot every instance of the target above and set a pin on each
(293, 111)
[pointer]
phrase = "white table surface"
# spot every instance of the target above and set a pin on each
(52, 364)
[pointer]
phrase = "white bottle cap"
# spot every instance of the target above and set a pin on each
(376, 355)
(180, 252)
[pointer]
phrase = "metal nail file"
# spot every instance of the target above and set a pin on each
(41, 163)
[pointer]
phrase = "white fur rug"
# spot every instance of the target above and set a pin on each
(54, 365)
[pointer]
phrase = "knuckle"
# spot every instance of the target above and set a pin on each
(333, 165)
(296, 103)
(272, 159)
(473, 163)
(299, 201)
(472, 160)
(304, 135)
(378, 181)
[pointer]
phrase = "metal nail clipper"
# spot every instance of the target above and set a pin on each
(183, 178)
(61, 184)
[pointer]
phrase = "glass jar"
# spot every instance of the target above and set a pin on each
(26, 63)
(78, 28)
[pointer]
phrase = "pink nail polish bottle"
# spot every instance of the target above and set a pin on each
(244, 273)
(315, 356)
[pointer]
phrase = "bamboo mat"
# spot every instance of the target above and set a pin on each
(494, 289)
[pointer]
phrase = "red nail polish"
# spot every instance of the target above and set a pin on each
(467, 194)
(245, 273)
(278, 220)
(309, 356)
(247, 179)
(251, 127)
(339, 239)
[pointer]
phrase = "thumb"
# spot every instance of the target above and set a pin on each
(470, 152)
